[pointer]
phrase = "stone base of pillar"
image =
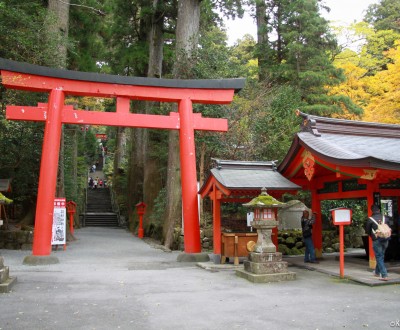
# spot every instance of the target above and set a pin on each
(6, 282)
(265, 267)
(193, 257)
(40, 260)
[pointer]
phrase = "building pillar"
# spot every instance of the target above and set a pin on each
(48, 175)
(189, 178)
(317, 228)
(370, 202)
(217, 221)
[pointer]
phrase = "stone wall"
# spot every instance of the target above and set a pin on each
(16, 239)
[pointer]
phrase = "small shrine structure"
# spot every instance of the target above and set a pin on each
(346, 159)
(232, 181)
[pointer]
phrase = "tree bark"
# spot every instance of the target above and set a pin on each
(187, 30)
(60, 10)
(152, 182)
(262, 39)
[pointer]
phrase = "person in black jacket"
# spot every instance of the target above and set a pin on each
(379, 244)
(306, 226)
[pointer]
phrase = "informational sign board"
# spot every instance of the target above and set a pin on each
(58, 236)
(250, 218)
(341, 216)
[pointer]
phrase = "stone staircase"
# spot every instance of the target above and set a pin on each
(99, 212)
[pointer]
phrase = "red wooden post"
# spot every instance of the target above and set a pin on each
(141, 209)
(217, 220)
(341, 256)
(317, 228)
(341, 217)
(71, 209)
(48, 175)
(189, 178)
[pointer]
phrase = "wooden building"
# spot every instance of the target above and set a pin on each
(345, 159)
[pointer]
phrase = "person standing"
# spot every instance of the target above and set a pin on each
(306, 227)
(378, 244)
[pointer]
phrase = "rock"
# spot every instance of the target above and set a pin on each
(290, 242)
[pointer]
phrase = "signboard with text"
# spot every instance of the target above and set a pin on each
(58, 236)
(341, 216)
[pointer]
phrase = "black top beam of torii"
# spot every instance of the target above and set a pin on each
(236, 83)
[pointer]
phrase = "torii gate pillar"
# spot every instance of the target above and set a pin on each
(189, 178)
(48, 175)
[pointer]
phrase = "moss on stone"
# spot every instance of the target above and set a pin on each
(264, 200)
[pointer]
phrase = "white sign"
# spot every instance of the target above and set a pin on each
(250, 218)
(341, 216)
(58, 236)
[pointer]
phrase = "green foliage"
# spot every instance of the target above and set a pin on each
(160, 205)
(21, 167)
(24, 36)
(384, 15)
(298, 47)
(87, 32)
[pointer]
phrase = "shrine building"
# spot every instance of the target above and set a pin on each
(344, 159)
(239, 182)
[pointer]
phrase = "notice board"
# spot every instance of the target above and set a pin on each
(58, 236)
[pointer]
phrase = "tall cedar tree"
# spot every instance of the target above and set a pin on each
(297, 52)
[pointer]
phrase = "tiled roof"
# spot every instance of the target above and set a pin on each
(250, 175)
(348, 142)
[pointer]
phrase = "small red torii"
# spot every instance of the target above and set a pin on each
(59, 83)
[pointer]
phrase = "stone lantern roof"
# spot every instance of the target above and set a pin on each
(264, 201)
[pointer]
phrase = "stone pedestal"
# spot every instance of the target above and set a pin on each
(265, 267)
(6, 282)
(265, 264)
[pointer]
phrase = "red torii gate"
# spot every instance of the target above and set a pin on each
(59, 83)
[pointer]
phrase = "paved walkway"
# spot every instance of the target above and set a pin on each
(109, 279)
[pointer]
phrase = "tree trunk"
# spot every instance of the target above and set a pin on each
(60, 10)
(262, 39)
(152, 182)
(187, 30)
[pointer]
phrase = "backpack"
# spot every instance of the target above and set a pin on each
(383, 228)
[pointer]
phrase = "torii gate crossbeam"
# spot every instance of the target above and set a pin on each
(60, 83)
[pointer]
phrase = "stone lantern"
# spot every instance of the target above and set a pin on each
(264, 263)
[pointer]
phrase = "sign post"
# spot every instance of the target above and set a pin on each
(341, 217)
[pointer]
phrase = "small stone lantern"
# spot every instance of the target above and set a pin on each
(265, 215)
(265, 264)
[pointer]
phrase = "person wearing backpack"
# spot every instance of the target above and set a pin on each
(379, 244)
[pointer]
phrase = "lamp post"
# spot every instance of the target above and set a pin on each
(140, 209)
